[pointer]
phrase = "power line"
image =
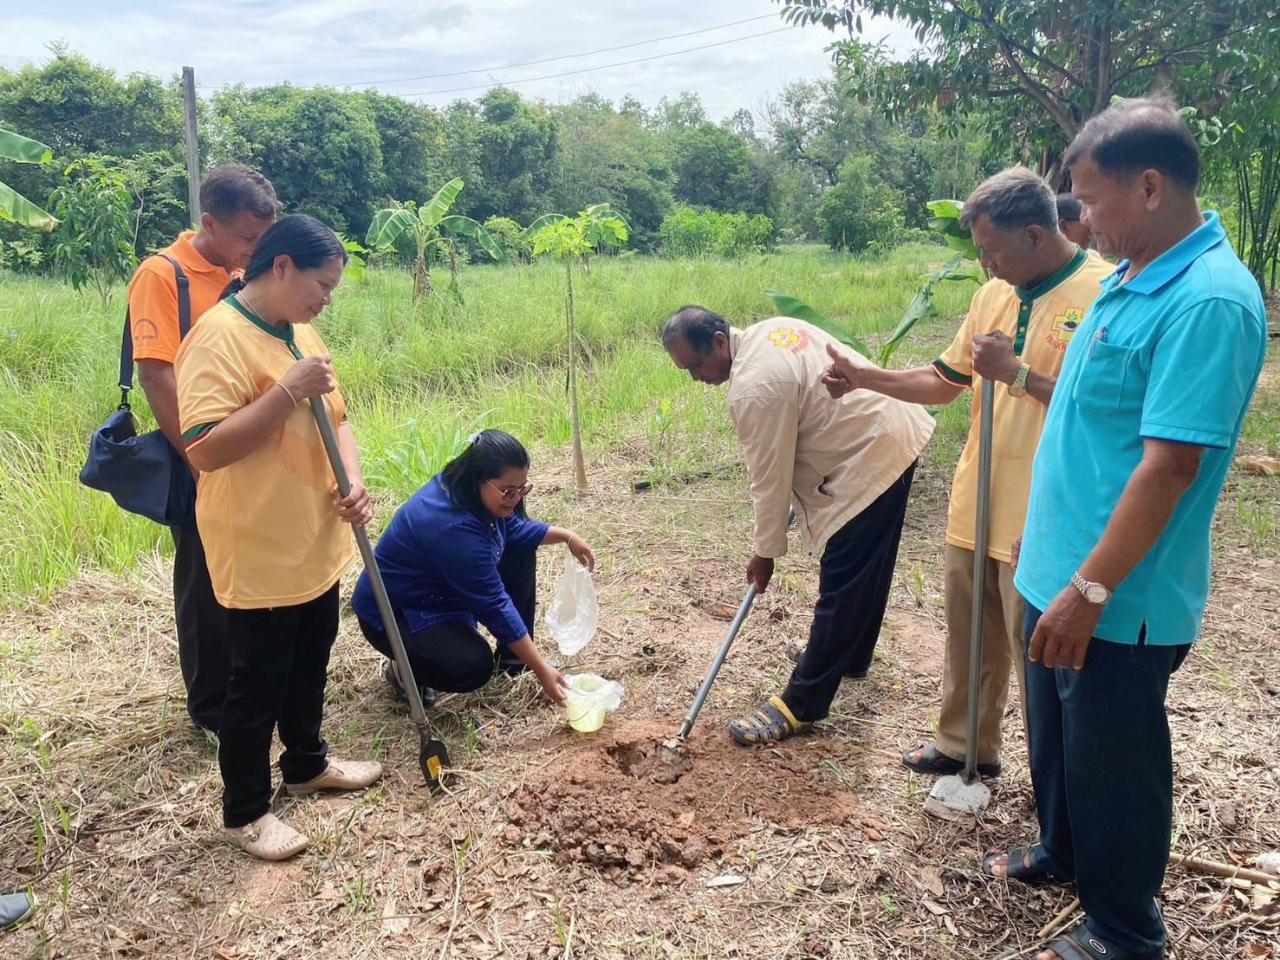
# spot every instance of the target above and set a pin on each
(603, 66)
(534, 63)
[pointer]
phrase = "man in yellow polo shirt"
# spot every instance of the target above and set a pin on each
(238, 205)
(1016, 332)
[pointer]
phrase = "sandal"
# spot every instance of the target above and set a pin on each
(772, 722)
(268, 838)
(1022, 868)
(936, 763)
(1080, 944)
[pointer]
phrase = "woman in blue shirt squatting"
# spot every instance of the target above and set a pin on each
(459, 553)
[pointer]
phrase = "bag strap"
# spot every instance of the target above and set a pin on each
(126, 341)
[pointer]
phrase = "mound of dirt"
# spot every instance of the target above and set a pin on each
(624, 804)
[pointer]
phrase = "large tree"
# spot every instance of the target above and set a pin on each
(1045, 68)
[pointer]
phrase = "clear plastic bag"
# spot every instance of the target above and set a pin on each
(589, 699)
(574, 612)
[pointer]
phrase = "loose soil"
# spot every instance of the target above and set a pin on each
(634, 809)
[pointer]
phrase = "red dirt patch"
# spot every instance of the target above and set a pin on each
(620, 803)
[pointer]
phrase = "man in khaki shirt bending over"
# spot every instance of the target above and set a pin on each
(845, 465)
(1016, 333)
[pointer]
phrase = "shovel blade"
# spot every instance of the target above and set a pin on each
(953, 799)
(433, 759)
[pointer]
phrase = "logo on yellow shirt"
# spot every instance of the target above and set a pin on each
(785, 338)
(1064, 328)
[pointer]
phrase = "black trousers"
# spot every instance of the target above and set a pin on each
(202, 630)
(854, 578)
(279, 657)
(1102, 768)
(454, 657)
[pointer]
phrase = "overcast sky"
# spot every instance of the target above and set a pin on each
(374, 42)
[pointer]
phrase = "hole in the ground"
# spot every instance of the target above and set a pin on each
(650, 760)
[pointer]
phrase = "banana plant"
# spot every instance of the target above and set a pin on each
(431, 228)
(945, 220)
(568, 239)
(14, 207)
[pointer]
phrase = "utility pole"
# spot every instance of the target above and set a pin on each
(193, 144)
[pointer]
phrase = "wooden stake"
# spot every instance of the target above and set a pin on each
(1219, 869)
(193, 144)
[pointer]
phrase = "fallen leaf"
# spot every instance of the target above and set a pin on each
(937, 909)
(726, 880)
(930, 879)
(1264, 466)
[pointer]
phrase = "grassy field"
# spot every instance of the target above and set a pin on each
(110, 802)
(417, 382)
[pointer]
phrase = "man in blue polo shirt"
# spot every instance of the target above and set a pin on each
(1135, 449)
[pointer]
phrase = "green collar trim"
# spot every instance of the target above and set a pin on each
(1026, 295)
(271, 329)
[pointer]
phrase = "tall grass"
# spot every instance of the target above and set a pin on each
(417, 383)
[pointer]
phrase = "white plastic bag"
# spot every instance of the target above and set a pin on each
(574, 613)
(590, 697)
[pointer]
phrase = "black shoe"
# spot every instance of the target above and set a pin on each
(392, 676)
(936, 763)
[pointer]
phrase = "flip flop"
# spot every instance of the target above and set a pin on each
(936, 763)
(1022, 868)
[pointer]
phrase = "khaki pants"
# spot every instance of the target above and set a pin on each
(1003, 646)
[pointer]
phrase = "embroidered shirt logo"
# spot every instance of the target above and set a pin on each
(787, 338)
(1064, 327)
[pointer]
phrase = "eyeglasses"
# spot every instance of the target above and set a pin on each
(511, 494)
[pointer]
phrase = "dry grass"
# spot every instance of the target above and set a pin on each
(109, 803)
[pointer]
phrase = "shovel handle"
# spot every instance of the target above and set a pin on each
(981, 537)
(416, 709)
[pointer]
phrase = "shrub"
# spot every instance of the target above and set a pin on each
(689, 232)
(861, 211)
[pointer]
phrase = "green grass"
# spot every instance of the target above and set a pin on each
(417, 381)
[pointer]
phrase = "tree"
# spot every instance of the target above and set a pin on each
(14, 207)
(714, 168)
(1044, 69)
(95, 239)
(861, 211)
(616, 156)
(320, 149)
(518, 152)
(432, 230)
(576, 239)
(411, 139)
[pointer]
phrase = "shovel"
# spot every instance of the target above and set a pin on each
(675, 743)
(962, 795)
(433, 755)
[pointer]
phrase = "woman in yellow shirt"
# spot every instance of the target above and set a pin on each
(272, 521)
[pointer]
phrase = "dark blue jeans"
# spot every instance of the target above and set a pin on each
(1102, 768)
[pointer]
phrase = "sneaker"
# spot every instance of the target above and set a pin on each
(339, 775)
(267, 838)
(15, 907)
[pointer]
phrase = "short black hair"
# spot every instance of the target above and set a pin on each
(1011, 199)
(1144, 133)
(234, 188)
(696, 326)
(308, 242)
(488, 454)
(1068, 207)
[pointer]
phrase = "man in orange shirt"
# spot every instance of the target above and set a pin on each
(239, 206)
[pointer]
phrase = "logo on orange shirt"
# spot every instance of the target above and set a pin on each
(1064, 328)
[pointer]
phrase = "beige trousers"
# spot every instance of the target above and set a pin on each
(1002, 646)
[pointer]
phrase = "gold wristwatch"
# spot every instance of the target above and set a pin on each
(1019, 386)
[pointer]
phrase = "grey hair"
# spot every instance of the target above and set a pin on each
(1010, 199)
(696, 326)
(1143, 133)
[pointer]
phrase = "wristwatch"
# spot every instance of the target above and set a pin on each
(1019, 386)
(1094, 593)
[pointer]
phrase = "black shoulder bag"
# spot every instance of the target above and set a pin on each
(144, 474)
